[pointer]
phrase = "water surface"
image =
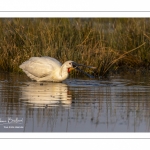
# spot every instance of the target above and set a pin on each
(117, 104)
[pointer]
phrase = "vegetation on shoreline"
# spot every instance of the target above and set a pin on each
(106, 43)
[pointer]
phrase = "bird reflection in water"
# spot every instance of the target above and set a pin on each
(45, 94)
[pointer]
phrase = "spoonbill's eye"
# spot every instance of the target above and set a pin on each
(70, 63)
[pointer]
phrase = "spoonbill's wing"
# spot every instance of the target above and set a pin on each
(40, 66)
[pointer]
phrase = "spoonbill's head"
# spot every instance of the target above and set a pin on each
(71, 65)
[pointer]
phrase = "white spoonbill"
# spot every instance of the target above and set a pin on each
(49, 69)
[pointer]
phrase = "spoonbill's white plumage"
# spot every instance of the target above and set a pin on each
(46, 69)
(49, 69)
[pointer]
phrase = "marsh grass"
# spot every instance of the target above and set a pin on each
(107, 44)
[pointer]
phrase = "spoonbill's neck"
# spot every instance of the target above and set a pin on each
(64, 72)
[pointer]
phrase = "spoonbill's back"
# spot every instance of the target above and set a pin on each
(47, 69)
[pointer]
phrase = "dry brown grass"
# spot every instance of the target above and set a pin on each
(104, 43)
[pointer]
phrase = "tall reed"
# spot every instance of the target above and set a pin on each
(106, 43)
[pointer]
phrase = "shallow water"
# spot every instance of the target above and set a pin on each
(117, 104)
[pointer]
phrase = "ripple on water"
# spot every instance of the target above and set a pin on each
(76, 105)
